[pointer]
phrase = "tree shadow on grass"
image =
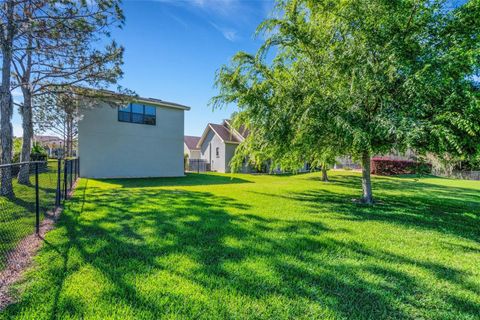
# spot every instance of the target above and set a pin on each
(446, 209)
(149, 244)
(190, 179)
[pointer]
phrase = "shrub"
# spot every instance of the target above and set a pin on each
(38, 153)
(388, 167)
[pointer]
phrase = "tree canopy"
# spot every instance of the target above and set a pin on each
(360, 78)
(47, 46)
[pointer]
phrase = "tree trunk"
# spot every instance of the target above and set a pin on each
(27, 126)
(69, 137)
(324, 173)
(366, 180)
(26, 112)
(6, 104)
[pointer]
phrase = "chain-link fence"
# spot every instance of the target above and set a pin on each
(36, 190)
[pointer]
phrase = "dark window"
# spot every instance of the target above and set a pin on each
(217, 152)
(138, 113)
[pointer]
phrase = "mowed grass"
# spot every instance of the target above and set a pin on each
(212, 246)
(17, 213)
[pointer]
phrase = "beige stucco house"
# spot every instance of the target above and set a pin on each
(141, 139)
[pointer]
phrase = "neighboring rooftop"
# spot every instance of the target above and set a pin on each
(47, 139)
(191, 142)
(244, 132)
(225, 132)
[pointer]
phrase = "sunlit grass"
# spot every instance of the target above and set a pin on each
(260, 247)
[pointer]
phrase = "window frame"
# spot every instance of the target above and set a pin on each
(217, 152)
(141, 118)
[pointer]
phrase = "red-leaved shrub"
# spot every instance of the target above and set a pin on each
(389, 167)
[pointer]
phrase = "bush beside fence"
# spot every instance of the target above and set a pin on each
(388, 167)
(22, 211)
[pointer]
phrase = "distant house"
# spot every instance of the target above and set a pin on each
(190, 147)
(141, 139)
(218, 143)
(52, 144)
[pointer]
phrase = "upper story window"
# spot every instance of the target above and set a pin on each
(217, 152)
(138, 113)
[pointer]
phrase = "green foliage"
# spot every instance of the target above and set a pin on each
(17, 149)
(38, 149)
(17, 145)
(359, 78)
(212, 246)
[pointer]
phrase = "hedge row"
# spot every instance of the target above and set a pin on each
(388, 167)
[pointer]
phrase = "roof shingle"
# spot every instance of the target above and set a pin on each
(191, 142)
(224, 133)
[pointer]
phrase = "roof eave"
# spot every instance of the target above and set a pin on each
(163, 104)
(204, 135)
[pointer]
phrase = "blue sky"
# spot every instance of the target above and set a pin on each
(174, 47)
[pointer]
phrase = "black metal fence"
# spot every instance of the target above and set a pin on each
(198, 165)
(71, 171)
(455, 174)
(38, 189)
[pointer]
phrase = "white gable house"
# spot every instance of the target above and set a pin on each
(141, 139)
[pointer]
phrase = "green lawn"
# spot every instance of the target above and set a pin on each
(260, 247)
(17, 214)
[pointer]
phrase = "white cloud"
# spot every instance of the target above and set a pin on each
(229, 16)
(229, 34)
(219, 7)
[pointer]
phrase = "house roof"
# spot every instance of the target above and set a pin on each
(162, 103)
(47, 139)
(152, 101)
(242, 131)
(191, 142)
(225, 132)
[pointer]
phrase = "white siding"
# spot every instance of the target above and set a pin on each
(208, 152)
(192, 154)
(112, 149)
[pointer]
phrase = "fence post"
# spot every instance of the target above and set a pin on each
(74, 174)
(78, 159)
(65, 175)
(59, 190)
(71, 175)
(198, 165)
(37, 201)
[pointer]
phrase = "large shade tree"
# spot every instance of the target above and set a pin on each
(51, 44)
(359, 77)
(64, 43)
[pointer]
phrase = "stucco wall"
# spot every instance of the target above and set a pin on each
(112, 149)
(211, 142)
